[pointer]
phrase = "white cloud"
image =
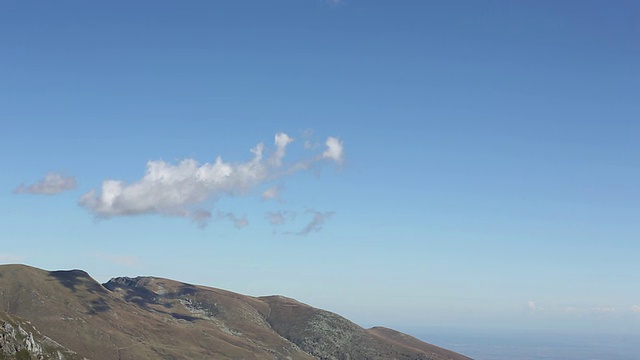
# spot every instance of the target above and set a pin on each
(531, 305)
(317, 222)
(53, 183)
(169, 189)
(635, 309)
(334, 150)
(177, 189)
(281, 142)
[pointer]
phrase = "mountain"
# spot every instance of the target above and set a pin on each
(68, 315)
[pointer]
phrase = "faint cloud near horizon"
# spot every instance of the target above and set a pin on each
(52, 184)
(603, 310)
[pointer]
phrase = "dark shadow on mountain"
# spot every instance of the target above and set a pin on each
(187, 289)
(184, 317)
(140, 296)
(72, 278)
(98, 305)
(133, 291)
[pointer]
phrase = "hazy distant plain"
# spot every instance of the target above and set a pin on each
(528, 345)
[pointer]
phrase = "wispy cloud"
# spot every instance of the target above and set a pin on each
(279, 217)
(275, 218)
(309, 142)
(317, 222)
(178, 189)
(579, 310)
(534, 307)
(603, 310)
(201, 217)
(53, 183)
(281, 141)
(587, 310)
(239, 223)
(272, 193)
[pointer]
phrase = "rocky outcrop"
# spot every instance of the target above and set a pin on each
(17, 341)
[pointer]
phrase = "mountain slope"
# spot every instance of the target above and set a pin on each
(330, 336)
(154, 318)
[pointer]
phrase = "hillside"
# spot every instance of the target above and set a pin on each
(154, 318)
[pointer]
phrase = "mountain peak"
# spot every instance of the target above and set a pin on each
(126, 282)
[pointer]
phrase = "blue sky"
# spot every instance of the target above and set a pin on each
(468, 164)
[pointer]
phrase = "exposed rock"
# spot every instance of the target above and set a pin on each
(18, 343)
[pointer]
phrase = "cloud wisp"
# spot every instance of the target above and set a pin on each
(279, 217)
(272, 193)
(239, 223)
(317, 222)
(181, 189)
(275, 218)
(603, 309)
(281, 141)
(52, 184)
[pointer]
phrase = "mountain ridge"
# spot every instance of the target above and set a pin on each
(148, 317)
